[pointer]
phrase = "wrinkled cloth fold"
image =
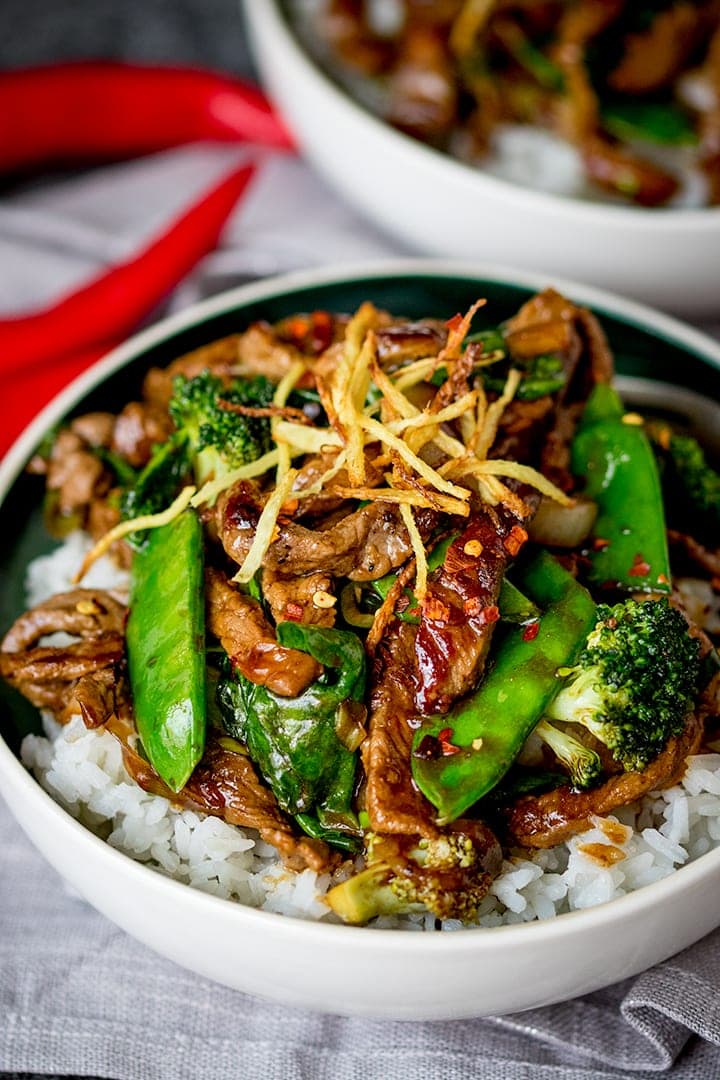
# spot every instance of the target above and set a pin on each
(80, 997)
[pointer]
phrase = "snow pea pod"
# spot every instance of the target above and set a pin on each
(166, 648)
(460, 757)
(613, 455)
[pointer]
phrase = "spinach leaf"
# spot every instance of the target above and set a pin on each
(294, 741)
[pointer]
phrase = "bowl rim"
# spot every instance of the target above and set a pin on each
(271, 19)
(20, 780)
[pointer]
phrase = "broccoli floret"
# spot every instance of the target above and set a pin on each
(541, 375)
(635, 681)
(691, 487)
(218, 438)
(443, 876)
(208, 441)
(582, 763)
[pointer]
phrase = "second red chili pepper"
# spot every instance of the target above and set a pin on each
(87, 112)
(112, 305)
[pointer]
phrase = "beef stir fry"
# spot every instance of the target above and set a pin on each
(401, 593)
(634, 87)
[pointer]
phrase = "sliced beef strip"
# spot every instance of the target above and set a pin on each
(61, 663)
(458, 616)
(96, 696)
(399, 815)
(63, 677)
(706, 559)
(394, 804)
(95, 428)
(226, 785)
(402, 343)
(247, 637)
(541, 821)
(521, 428)
(578, 113)
(295, 599)
(549, 322)
(74, 472)
(219, 357)
(421, 85)
(555, 455)
(81, 612)
(616, 169)
(710, 122)
(102, 516)
(363, 545)
(138, 428)
(601, 361)
(327, 500)
(653, 57)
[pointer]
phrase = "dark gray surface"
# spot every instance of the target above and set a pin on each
(207, 32)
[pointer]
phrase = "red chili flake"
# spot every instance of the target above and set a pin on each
(515, 539)
(293, 611)
(297, 328)
(491, 614)
(435, 610)
(600, 543)
(639, 568)
(444, 736)
(531, 631)
(455, 323)
(663, 579)
(322, 331)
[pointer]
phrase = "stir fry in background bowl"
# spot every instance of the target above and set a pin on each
(581, 98)
(441, 633)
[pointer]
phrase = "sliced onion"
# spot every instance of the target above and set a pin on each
(562, 526)
(351, 613)
(350, 719)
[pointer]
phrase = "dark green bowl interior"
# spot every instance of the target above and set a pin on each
(638, 351)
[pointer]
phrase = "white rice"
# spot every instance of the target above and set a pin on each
(535, 158)
(83, 770)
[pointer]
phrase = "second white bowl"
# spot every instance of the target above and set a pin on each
(669, 258)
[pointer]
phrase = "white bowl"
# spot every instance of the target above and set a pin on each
(669, 258)
(350, 970)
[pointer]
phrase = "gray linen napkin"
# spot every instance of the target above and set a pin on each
(77, 996)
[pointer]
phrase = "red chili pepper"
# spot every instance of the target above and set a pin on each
(25, 394)
(87, 112)
(112, 305)
(454, 323)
